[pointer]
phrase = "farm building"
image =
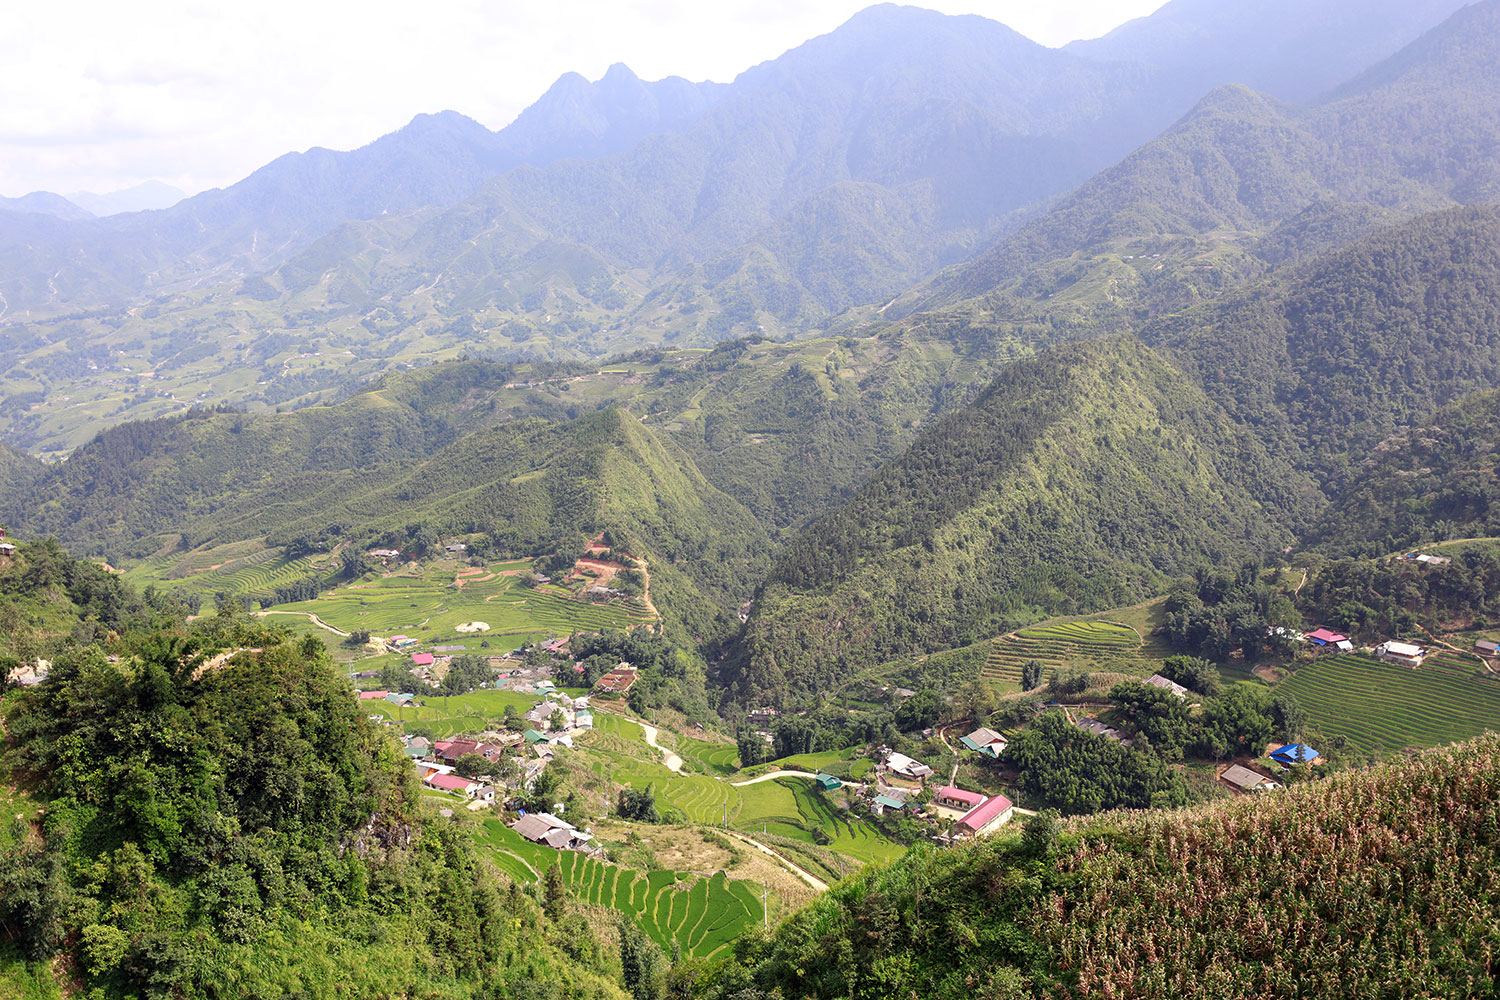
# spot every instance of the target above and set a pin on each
(828, 782)
(386, 553)
(1246, 779)
(1295, 753)
(1401, 652)
(1323, 637)
(880, 803)
(1158, 681)
(584, 720)
(1428, 560)
(422, 659)
(1486, 648)
(544, 828)
(957, 798)
(402, 700)
(532, 736)
(985, 741)
(985, 818)
(457, 547)
(903, 765)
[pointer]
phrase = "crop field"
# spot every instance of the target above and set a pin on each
(1384, 707)
(792, 807)
(703, 914)
(432, 601)
(1056, 645)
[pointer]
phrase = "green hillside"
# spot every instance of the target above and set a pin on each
(1081, 480)
(1367, 883)
(1435, 481)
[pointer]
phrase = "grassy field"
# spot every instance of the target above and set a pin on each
(1384, 707)
(460, 714)
(703, 914)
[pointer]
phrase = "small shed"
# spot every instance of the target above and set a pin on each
(1295, 753)
(828, 782)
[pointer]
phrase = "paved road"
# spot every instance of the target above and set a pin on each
(787, 774)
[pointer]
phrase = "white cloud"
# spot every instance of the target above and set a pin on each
(101, 95)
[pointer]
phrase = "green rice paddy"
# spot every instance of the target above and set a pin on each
(1056, 645)
(1385, 707)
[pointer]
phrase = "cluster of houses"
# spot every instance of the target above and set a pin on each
(618, 681)
(898, 779)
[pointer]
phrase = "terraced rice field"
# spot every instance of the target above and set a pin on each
(792, 807)
(712, 758)
(1384, 707)
(246, 568)
(703, 914)
(465, 713)
(1055, 646)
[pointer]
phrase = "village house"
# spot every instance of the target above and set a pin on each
(1295, 753)
(953, 797)
(461, 786)
(828, 782)
(422, 659)
(457, 548)
(1100, 729)
(760, 718)
(452, 750)
(584, 720)
(1323, 637)
(1158, 681)
(899, 763)
(544, 828)
(1401, 652)
(1247, 780)
(373, 695)
(985, 818)
(617, 681)
(880, 804)
(1486, 648)
(530, 771)
(985, 741)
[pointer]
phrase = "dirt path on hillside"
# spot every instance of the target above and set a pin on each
(943, 738)
(787, 774)
(810, 879)
(673, 762)
(310, 617)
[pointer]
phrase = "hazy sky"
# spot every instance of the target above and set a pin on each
(101, 95)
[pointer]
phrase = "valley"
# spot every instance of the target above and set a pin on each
(937, 515)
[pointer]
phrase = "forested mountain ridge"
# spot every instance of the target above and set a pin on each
(1438, 480)
(1082, 479)
(825, 181)
(1213, 200)
(1328, 360)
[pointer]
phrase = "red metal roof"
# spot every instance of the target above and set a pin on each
(422, 659)
(371, 695)
(982, 815)
(971, 799)
(1326, 636)
(451, 782)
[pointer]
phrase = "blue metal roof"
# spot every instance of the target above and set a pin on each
(1296, 753)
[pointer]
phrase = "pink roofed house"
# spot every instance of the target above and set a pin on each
(372, 695)
(1323, 637)
(987, 817)
(422, 659)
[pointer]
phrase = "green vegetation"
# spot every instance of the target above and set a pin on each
(983, 523)
(1361, 866)
(704, 915)
(1386, 708)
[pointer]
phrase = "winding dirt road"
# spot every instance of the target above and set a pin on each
(811, 880)
(673, 762)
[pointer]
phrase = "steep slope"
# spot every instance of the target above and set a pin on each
(281, 208)
(1294, 51)
(1328, 361)
(1389, 889)
(17, 469)
(1082, 479)
(1438, 480)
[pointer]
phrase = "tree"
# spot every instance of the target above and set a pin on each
(641, 962)
(473, 765)
(639, 805)
(752, 748)
(1238, 721)
(1031, 674)
(358, 637)
(920, 710)
(554, 892)
(1040, 832)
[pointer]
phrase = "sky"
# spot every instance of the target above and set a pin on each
(98, 96)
